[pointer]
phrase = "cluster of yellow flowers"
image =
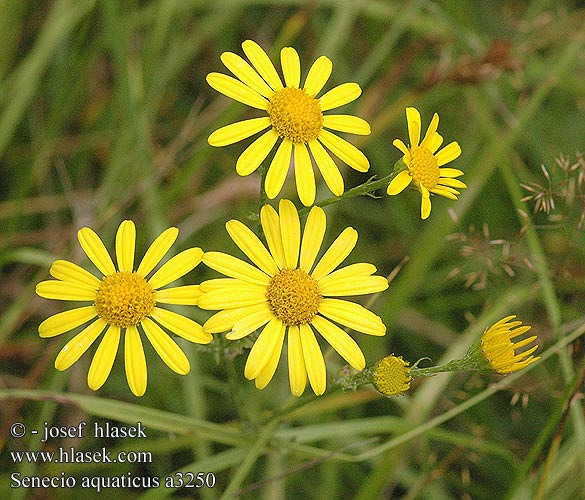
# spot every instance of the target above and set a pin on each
(288, 290)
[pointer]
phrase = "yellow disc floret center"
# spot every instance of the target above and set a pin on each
(293, 296)
(424, 167)
(392, 375)
(124, 299)
(295, 115)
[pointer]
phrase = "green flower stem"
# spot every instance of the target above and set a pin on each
(473, 360)
(263, 200)
(263, 171)
(457, 365)
(366, 188)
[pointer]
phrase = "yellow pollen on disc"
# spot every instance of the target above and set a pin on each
(392, 375)
(293, 296)
(295, 115)
(424, 167)
(124, 299)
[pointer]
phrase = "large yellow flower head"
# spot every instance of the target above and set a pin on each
(295, 116)
(424, 163)
(501, 353)
(122, 300)
(288, 293)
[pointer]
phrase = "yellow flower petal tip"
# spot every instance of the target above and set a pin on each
(424, 162)
(295, 116)
(500, 346)
(391, 376)
(288, 292)
(121, 300)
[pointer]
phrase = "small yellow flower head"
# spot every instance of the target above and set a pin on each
(296, 118)
(391, 376)
(424, 163)
(500, 351)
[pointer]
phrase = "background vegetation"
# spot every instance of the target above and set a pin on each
(105, 114)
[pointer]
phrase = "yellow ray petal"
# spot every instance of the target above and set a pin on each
(454, 183)
(271, 227)
(234, 284)
(256, 153)
(166, 348)
(341, 342)
(353, 316)
(262, 63)
(353, 285)
(68, 271)
(443, 191)
(425, 202)
(125, 245)
(96, 251)
(63, 290)
(158, 248)
(431, 131)
(135, 362)
(340, 95)
(449, 153)
(238, 131)
(400, 145)
(290, 232)
(327, 167)
(231, 297)
(79, 344)
(103, 359)
(318, 75)
(347, 123)
(235, 268)
(181, 325)
(361, 269)
(66, 320)
(250, 323)
(434, 142)
(414, 126)
(176, 267)
(236, 90)
(242, 70)
(266, 374)
(186, 295)
(291, 67)
(223, 321)
(337, 252)
(278, 169)
(313, 234)
(345, 151)
(266, 346)
(314, 361)
(297, 371)
(399, 183)
(304, 175)
(450, 172)
(251, 245)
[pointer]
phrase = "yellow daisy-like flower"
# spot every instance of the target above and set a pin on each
(391, 375)
(122, 300)
(500, 351)
(288, 293)
(424, 163)
(295, 115)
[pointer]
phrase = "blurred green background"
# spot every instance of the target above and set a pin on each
(105, 114)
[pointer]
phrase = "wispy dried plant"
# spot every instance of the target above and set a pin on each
(561, 195)
(485, 257)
